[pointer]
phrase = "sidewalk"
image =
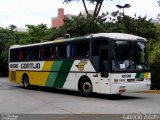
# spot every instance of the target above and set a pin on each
(153, 91)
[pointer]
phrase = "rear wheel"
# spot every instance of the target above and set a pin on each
(86, 88)
(26, 82)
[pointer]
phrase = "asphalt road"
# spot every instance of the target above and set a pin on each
(38, 100)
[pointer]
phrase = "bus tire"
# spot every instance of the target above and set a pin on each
(85, 87)
(25, 81)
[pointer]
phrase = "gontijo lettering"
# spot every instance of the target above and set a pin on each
(30, 65)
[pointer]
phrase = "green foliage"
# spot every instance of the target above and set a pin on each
(140, 26)
(154, 58)
(36, 34)
(7, 37)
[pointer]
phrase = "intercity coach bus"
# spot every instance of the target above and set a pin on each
(93, 63)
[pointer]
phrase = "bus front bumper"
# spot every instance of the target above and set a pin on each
(120, 88)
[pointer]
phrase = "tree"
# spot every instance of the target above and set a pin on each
(97, 3)
(12, 27)
(80, 26)
(36, 34)
(7, 38)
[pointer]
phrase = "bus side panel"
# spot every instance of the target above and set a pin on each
(58, 73)
(16, 76)
(81, 68)
(12, 76)
(40, 77)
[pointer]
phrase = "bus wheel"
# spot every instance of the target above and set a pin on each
(26, 82)
(86, 88)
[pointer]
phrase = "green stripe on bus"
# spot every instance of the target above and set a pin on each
(53, 75)
(142, 75)
(63, 73)
(139, 75)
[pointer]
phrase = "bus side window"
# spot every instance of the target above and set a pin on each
(72, 50)
(14, 55)
(61, 51)
(34, 53)
(47, 52)
(52, 51)
(81, 49)
(25, 54)
(96, 44)
(41, 53)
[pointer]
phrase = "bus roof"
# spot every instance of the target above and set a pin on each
(119, 36)
(114, 36)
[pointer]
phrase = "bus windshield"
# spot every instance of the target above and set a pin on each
(129, 56)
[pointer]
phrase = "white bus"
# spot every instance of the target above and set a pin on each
(107, 63)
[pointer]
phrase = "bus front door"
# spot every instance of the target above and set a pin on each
(104, 67)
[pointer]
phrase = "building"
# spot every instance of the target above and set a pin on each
(58, 21)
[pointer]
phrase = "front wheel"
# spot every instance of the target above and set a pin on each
(86, 88)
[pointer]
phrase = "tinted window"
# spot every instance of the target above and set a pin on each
(63, 51)
(24, 54)
(81, 49)
(97, 44)
(47, 52)
(14, 55)
(34, 53)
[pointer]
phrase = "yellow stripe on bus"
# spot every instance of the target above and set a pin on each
(146, 75)
(36, 77)
(44, 75)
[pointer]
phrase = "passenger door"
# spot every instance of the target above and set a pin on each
(104, 68)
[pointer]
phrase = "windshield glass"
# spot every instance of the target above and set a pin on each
(127, 55)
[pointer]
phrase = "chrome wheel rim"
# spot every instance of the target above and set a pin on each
(87, 88)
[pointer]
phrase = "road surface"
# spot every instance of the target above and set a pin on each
(14, 99)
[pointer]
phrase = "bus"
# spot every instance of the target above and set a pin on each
(93, 63)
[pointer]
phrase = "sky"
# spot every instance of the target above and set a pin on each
(22, 12)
